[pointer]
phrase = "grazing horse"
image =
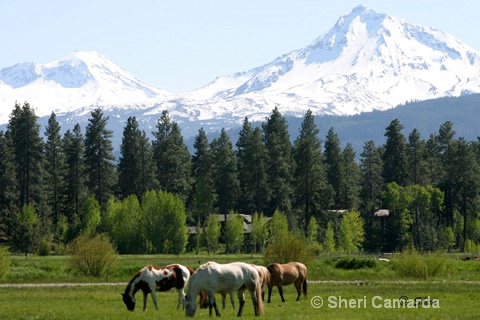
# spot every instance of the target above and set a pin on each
(224, 278)
(151, 279)
(286, 274)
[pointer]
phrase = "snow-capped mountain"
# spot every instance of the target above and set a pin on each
(366, 61)
(82, 79)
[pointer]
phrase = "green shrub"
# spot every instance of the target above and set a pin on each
(354, 264)
(44, 247)
(471, 247)
(94, 256)
(412, 264)
(437, 264)
(4, 260)
(288, 247)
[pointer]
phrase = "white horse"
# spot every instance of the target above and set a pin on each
(151, 279)
(224, 278)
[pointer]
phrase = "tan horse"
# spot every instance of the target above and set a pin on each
(286, 274)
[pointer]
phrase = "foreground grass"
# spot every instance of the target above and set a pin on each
(456, 290)
(456, 300)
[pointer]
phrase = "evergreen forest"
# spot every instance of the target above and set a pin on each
(159, 197)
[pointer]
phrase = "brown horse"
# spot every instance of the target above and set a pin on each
(286, 274)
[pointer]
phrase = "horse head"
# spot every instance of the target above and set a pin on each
(129, 301)
(190, 306)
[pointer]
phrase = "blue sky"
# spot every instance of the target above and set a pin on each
(182, 45)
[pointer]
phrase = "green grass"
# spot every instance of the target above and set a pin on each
(104, 302)
(457, 290)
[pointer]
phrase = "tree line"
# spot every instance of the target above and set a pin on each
(55, 187)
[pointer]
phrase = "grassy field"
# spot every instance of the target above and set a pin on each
(346, 294)
(455, 301)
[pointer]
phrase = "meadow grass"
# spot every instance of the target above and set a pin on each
(455, 301)
(456, 290)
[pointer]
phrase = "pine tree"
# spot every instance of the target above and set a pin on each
(445, 144)
(332, 156)
(350, 182)
(252, 175)
(371, 167)
(372, 183)
(8, 184)
(172, 158)
(99, 159)
(309, 174)
(224, 171)
(75, 189)
(415, 158)
(29, 154)
(466, 186)
(279, 162)
(203, 193)
(395, 154)
(55, 166)
(136, 168)
(433, 162)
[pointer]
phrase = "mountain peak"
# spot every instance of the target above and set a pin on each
(360, 9)
(81, 79)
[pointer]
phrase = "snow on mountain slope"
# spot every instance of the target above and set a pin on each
(367, 61)
(82, 79)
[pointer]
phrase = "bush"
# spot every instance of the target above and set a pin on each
(4, 261)
(45, 247)
(287, 247)
(354, 264)
(92, 256)
(412, 264)
(471, 247)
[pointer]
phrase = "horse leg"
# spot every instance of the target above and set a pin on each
(280, 290)
(298, 286)
(269, 293)
(181, 298)
(224, 298)
(154, 298)
(241, 300)
(232, 299)
(145, 296)
(212, 304)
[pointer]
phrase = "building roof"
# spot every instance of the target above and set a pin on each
(381, 213)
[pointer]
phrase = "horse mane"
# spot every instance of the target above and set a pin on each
(207, 264)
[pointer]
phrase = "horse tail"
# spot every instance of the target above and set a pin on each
(305, 282)
(305, 286)
(203, 299)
